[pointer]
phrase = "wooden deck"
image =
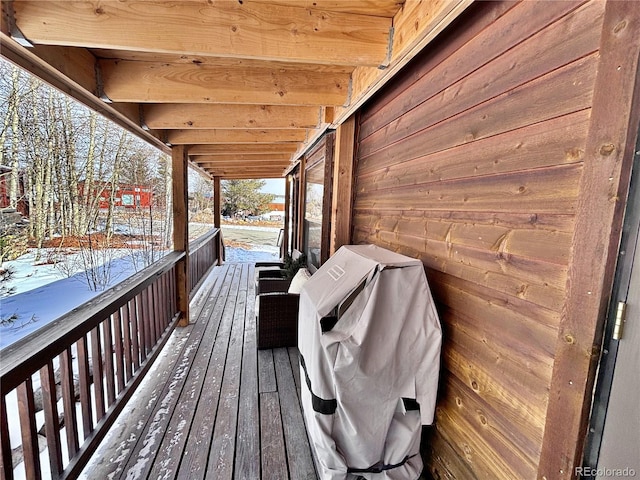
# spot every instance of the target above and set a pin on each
(213, 406)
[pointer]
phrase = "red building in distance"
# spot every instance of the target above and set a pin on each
(126, 195)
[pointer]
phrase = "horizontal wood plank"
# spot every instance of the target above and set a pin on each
(462, 406)
(572, 88)
(556, 142)
(225, 28)
(146, 82)
(241, 148)
(251, 159)
(231, 136)
(550, 190)
(470, 59)
(177, 116)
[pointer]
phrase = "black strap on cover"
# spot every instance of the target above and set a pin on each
(327, 323)
(379, 467)
(320, 405)
(410, 404)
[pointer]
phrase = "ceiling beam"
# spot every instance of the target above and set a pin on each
(240, 172)
(379, 8)
(230, 136)
(149, 82)
(239, 167)
(243, 149)
(267, 157)
(206, 116)
(220, 28)
(246, 176)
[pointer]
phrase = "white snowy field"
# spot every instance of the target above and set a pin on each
(44, 291)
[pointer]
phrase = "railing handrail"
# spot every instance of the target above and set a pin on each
(202, 239)
(52, 339)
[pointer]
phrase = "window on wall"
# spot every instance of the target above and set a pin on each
(313, 215)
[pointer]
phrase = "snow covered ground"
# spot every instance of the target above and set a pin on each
(44, 291)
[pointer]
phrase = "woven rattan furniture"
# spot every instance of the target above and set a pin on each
(276, 313)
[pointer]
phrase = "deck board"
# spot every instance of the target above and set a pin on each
(214, 406)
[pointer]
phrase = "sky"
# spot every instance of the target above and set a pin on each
(275, 186)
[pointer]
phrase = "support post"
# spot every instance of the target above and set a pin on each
(284, 249)
(217, 212)
(343, 185)
(302, 197)
(604, 187)
(179, 159)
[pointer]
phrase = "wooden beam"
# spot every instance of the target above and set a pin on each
(180, 197)
(378, 8)
(228, 165)
(216, 202)
(287, 221)
(242, 149)
(148, 82)
(266, 171)
(237, 158)
(245, 167)
(301, 202)
(217, 214)
(224, 136)
(223, 28)
(343, 185)
(604, 186)
(206, 116)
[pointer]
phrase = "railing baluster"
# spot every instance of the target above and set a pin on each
(157, 320)
(51, 418)
(98, 373)
(108, 361)
(152, 316)
(6, 462)
(117, 342)
(133, 323)
(146, 316)
(142, 327)
(85, 386)
(69, 401)
(166, 292)
(27, 413)
(126, 331)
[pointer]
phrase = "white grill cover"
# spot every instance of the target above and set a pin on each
(379, 353)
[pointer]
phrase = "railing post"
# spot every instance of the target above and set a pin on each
(217, 212)
(179, 159)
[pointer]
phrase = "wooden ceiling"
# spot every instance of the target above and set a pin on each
(246, 85)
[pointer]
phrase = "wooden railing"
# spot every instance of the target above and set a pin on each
(70, 379)
(204, 252)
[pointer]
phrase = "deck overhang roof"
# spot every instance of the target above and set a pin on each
(246, 85)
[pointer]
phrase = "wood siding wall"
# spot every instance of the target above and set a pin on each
(471, 160)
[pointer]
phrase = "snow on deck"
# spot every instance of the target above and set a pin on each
(213, 406)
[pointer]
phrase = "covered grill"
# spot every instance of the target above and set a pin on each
(369, 339)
